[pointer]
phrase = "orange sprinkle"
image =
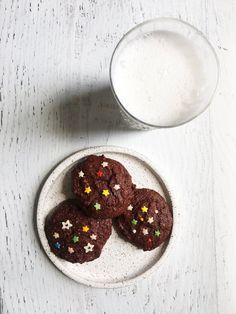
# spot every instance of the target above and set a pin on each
(85, 228)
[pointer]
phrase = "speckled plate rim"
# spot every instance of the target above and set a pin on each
(102, 150)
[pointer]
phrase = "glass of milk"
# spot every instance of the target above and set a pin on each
(163, 73)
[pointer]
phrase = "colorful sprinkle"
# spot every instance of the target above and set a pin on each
(81, 174)
(116, 187)
(105, 192)
(87, 190)
(141, 218)
(145, 231)
(99, 173)
(85, 228)
(56, 235)
(130, 207)
(156, 211)
(134, 221)
(57, 245)
(134, 230)
(71, 250)
(93, 237)
(97, 206)
(75, 238)
(144, 209)
(66, 224)
(89, 247)
(104, 164)
(150, 220)
(157, 233)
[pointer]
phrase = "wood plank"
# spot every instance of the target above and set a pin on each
(55, 100)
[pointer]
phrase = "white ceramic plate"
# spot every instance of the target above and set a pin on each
(120, 263)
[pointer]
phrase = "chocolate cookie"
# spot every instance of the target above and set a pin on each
(102, 186)
(75, 237)
(147, 221)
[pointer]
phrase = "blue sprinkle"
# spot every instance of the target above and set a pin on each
(57, 245)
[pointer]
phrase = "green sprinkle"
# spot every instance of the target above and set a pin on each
(75, 238)
(97, 206)
(157, 233)
(134, 221)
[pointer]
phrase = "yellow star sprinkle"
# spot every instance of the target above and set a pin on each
(87, 190)
(144, 209)
(105, 192)
(85, 228)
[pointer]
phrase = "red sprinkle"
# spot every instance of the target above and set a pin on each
(149, 242)
(99, 173)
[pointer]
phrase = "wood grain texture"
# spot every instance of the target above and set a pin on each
(55, 99)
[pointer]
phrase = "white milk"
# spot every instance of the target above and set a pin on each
(160, 78)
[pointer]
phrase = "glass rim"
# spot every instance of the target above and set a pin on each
(150, 21)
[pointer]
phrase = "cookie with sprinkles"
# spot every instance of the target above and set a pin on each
(73, 236)
(147, 222)
(102, 186)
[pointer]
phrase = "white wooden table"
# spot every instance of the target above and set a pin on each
(55, 99)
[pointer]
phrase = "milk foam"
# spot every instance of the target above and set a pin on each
(160, 78)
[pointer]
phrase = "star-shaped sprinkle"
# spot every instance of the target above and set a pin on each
(57, 245)
(134, 221)
(89, 247)
(99, 173)
(85, 228)
(141, 218)
(66, 224)
(75, 238)
(157, 233)
(93, 237)
(130, 207)
(87, 190)
(145, 231)
(116, 187)
(81, 174)
(150, 220)
(156, 211)
(104, 164)
(144, 209)
(97, 206)
(56, 235)
(134, 230)
(71, 250)
(105, 192)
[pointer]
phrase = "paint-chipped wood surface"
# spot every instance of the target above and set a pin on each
(55, 99)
